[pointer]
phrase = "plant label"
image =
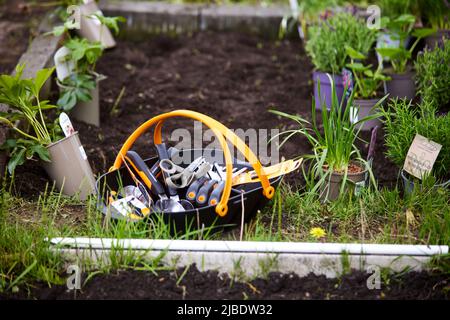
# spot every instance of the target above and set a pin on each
(64, 65)
(66, 125)
(421, 156)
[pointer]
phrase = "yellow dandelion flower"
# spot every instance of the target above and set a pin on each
(317, 233)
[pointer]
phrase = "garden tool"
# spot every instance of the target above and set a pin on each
(211, 191)
(131, 207)
(216, 193)
(205, 191)
(139, 185)
(174, 203)
(136, 192)
(179, 177)
(191, 193)
(164, 203)
(274, 171)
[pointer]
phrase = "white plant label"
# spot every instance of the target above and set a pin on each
(83, 153)
(66, 125)
(64, 66)
(422, 155)
(354, 114)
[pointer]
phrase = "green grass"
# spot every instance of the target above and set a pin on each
(373, 217)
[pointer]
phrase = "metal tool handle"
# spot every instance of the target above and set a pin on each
(144, 172)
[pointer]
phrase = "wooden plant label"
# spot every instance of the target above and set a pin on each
(421, 156)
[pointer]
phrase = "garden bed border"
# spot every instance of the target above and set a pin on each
(254, 258)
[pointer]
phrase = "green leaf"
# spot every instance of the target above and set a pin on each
(368, 73)
(41, 151)
(357, 66)
(17, 159)
(83, 95)
(40, 78)
(354, 54)
(423, 32)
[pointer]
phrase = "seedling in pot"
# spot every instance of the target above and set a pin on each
(367, 81)
(401, 28)
(22, 97)
(81, 85)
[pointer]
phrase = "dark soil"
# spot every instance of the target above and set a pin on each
(232, 77)
(211, 285)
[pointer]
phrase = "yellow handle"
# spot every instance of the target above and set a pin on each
(221, 133)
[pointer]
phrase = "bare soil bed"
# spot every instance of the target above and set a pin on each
(211, 285)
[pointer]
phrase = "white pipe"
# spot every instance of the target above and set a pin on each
(251, 246)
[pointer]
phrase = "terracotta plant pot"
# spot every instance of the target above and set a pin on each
(326, 88)
(401, 86)
(363, 108)
(92, 29)
(89, 111)
(69, 168)
(435, 39)
(332, 185)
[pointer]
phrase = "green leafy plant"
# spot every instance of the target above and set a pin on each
(400, 29)
(85, 54)
(367, 81)
(436, 13)
(78, 85)
(326, 45)
(402, 122)
(433, 75)
(111, 23)
(22, 97)
(334, 149)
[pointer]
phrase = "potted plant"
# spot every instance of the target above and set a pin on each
(433, 75)
(401, 84)
(390, 10)
(79, 91)
(95, 27)
(402, 122)
(436, 13)
(326, 47)
(366, 87)
(337, 166)
(64, 160)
